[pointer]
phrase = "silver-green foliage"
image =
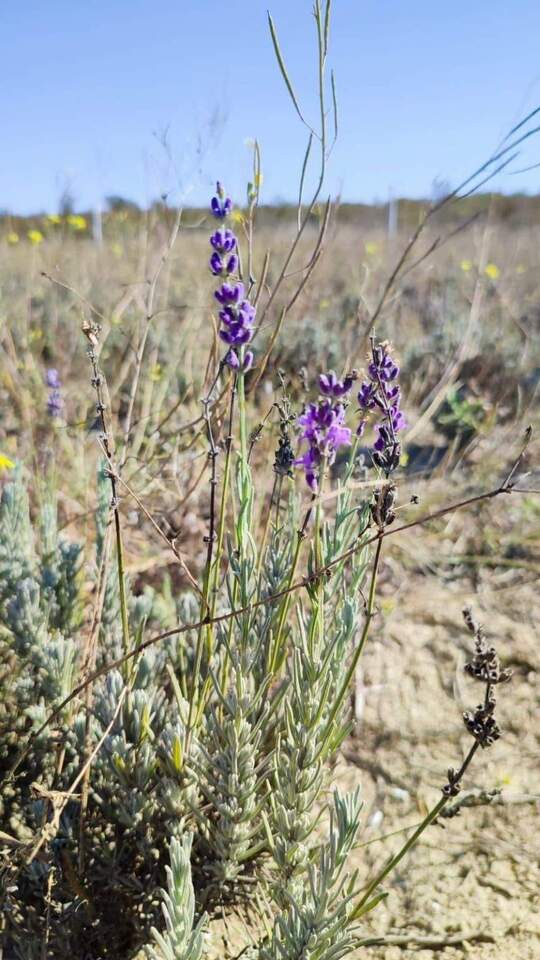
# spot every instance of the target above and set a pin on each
(182, 939)
(318, 921)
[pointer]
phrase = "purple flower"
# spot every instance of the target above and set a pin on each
(231, 359)
(229, 294)
(55, 403)
(223, 241)
(398, 420)
(246, 312)
(236, 334)
(332, 387)
(310, 461)
(221, 205)
(52, 378)
(367, 396)
(217, 266)
(55, 400)
(382, 367)
(323, 427)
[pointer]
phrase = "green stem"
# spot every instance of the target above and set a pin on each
(285, 604)
(214, 574)
(242, 413)
(428, 819)
(358, 652)
(431, 816)
(319, 557)
(121, 581)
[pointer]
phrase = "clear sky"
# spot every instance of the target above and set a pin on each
(89, 87)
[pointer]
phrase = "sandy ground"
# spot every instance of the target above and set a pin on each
(478, 873)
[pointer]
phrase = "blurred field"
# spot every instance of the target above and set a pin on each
(465, 323)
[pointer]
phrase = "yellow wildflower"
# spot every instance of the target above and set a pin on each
(12, 238)
(466, 265)
(6, 463)
(371, 248)
(35, 237)
(156, 373)
(492, 271)
(54, 218)
(77, 221)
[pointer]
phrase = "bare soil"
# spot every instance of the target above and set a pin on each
(478, 873)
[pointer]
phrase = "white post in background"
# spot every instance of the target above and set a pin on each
(97, 225)
(392, 215)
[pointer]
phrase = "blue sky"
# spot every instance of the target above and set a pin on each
(89, 87)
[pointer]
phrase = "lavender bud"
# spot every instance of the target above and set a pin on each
(220, 205)
(216, 264)
(232, 361)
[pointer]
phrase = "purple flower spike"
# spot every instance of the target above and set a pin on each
(55, 400)
(237, 314)
(382, 393)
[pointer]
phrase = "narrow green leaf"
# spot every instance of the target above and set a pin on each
(334, 103)
(362, 909)
(303, 175)
(283, 68)
(327, 25)
(177, 757)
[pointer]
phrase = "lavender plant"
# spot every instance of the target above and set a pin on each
(197, 756)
